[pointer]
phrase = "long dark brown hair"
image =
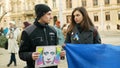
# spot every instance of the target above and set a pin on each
(86, 22)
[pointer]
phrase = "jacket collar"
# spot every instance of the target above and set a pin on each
(75, 29)
(38, 24)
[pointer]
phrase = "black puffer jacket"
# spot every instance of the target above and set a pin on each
(36, 35)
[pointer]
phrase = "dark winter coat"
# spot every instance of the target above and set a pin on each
(36, 35)
(78, 36)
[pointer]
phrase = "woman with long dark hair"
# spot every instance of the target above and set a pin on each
(82, 30)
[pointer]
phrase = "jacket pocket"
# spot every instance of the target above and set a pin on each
(53, 39)
(38, 41)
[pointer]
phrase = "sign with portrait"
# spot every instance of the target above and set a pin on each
(49, 56)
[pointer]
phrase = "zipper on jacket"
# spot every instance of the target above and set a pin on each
(46, 35)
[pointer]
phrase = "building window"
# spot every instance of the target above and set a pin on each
(46, 1)
(68, 18)
(95, 17)
(68, 3)
(95, 2)
(54, 3)
(84, 3)
(118, 1)
(54, 19)
(12, 6)
(28, 5)
(107, 16)
(118, 15)
(19, 6)
(107, 2)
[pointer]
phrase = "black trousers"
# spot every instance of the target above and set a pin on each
(12, 59)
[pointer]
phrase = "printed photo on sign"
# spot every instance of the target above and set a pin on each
(49, 56)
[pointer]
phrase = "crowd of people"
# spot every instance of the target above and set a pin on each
(80, 30)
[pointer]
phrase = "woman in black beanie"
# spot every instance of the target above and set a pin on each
(38, 34)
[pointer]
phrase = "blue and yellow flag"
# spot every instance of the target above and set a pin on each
(92, 56)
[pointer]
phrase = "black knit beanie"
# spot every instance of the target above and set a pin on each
(41, 9)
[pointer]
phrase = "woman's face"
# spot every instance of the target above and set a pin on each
(78, 17)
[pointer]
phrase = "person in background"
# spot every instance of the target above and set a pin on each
(82, 30)
(12, 42)
(60, 36)
(65, 27)
(5, 30)
(64, 30)
(38, 34)
(59, 33)
(25, 25)
(1, 31)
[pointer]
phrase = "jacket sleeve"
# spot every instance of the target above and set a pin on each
(24, 51)
(97, 39)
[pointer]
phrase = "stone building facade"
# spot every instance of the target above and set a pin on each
(105, 14)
